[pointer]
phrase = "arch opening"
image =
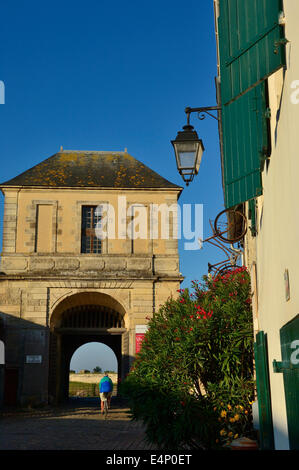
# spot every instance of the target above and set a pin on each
(85, 302)
(81, 318)
(91, 316)
(87, 366)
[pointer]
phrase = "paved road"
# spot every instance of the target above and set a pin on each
(76, 426)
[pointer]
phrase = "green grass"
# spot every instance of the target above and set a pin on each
(83, 389)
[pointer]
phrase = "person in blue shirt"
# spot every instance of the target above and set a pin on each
(106, 387)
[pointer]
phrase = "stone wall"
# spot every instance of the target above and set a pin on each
(82, 265)
(39, 283)
(91, 378)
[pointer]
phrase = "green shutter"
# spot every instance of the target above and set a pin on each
(289, 340)
(263, 392)
(252, 216)
(251, 44)
(245, 145)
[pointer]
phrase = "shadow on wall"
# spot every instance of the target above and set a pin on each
(36, 371)
(24, 377)
(2, 362)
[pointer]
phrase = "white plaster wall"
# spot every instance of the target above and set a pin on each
(277, 243)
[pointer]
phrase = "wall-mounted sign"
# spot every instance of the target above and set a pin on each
(289, 367)
(33, 359)
(138, 341)
(140, 331)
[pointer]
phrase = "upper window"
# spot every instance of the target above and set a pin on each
(90, 243)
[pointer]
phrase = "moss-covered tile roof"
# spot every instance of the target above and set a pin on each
(72, 168)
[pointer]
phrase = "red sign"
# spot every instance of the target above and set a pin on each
(138, 341)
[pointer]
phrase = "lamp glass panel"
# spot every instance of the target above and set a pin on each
(199, 156)
(187, 154)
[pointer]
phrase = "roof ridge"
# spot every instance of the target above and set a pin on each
(93, 151)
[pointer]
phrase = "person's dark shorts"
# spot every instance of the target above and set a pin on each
(105, 395)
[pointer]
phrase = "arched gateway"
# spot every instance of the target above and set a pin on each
(61, 285)
(78, 319)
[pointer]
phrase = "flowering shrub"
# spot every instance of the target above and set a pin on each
(195, 366)
(235, 421)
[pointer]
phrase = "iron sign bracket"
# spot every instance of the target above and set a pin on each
(281, 366)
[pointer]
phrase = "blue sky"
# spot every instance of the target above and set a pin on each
(100, 75)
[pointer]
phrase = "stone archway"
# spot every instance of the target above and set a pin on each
(78, 319)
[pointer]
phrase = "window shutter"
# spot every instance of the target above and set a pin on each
(289, 340)
(252, 216)
(251, 45)
(263, 392)
(245, 145)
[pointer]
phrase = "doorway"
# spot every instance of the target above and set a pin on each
(82, 318)
(87, 366)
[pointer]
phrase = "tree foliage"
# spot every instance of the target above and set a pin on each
(195, 366)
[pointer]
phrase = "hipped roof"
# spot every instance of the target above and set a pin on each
(72, 168)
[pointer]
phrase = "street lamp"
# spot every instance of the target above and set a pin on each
(188, 147)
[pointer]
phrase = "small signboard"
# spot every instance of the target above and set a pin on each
(138, 339)
(140, 331)
(33, 359)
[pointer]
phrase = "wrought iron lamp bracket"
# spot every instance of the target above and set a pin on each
(201, 112)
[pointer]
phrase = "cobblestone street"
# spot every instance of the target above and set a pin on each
(75, 426)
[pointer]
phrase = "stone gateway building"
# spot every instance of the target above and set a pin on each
(62, 285)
